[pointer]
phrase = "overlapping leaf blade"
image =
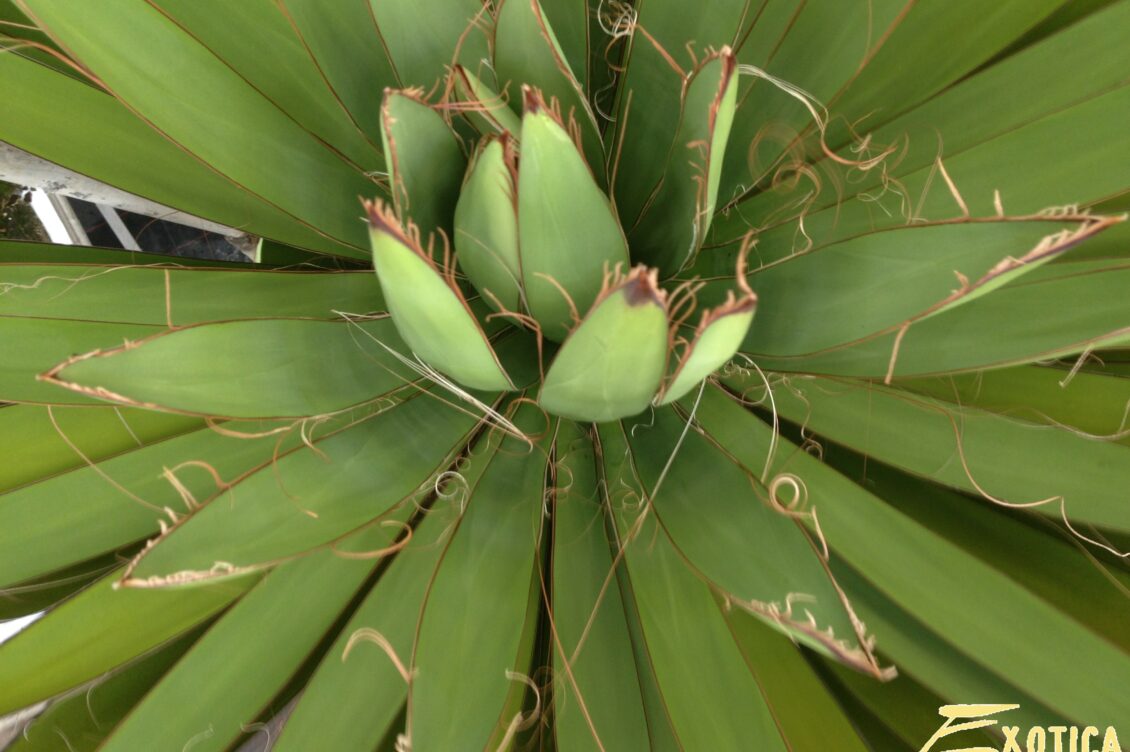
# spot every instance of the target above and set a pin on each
(67, 518)
(1001, 625)
(527, 53)
(597, 696)
(100, 628)
(485, 584)
(178, 297)
(950, 586)
(364, 687)
(674, 222)
(263, 160)
(280, 66)
(313, 495)
(563, 259)
(248, 369)
(424, 163)
(83, 720)
(113, 144)
(47, 439)
(256, 646)
(997, 457)
(683, 625)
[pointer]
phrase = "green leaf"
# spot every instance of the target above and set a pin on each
(649, 96)
(994, 330)
(486, 224)
(359, 684)
(486, 109)
(279, 66)
(905, 709)
(1039, 115)
(79, 514)
(1061, 18)
(99, 629)
(686, 634)
(929, 657)
(485, 584)
(603, 58)
(312, 495)
(83, 720)
(815, 49)
(779, 558)
(252, 650)
(875, 283)
(597, 700)
(999, 624)
(1004, 458)
(112, 143)
(40, 443)
(527, 53)
(277, 159)
(677, 216)
(1081, 587)
(38, 594)
(246, 369)
(712, 344)
(18, 29)
(178, 297)
(33, 346)
(561, 254)
(793, 690)
(915, 62)
(1027, 94)
(660, 732)
(428, 309)
(422, 37)
(1093, 403)
(874, 62)
(424, 161)
(611, 365)
(570, 21)
(345, 45)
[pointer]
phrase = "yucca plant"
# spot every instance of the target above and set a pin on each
(735, 375)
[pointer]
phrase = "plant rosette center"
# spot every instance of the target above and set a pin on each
(537, 285)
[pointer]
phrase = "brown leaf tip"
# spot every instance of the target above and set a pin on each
(642, 286)
(382, 218)
(744, 304)
(532, 101)
(729, 60)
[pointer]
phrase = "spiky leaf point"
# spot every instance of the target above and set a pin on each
(424, 161)
(486, 109)
(486, 224)
(183, 370)
(611, 365)
(527, 53)
(674, 222)
(713, 343)
(427, 307)
(567, 229)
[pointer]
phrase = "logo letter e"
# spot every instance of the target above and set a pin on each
(960, 718)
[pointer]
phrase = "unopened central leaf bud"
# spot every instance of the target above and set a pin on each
(537, 243)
